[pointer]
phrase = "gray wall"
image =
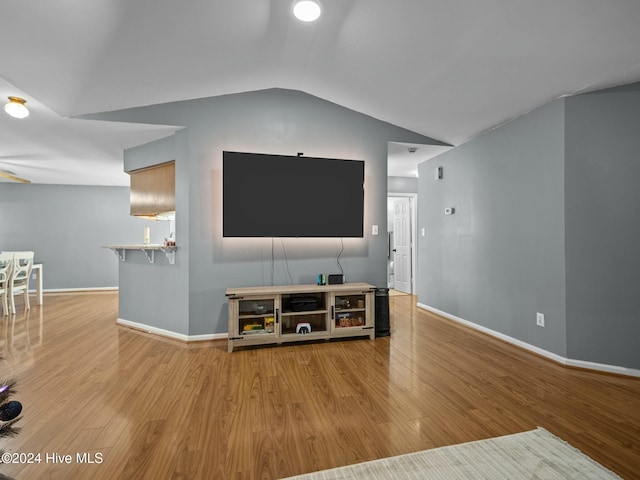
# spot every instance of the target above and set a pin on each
(271, 121)
(500, 258)
(66, 226)
(602, 226)
(158, 294)
(402, 184)
(546, 221)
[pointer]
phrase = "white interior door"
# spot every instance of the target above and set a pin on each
(402, 245)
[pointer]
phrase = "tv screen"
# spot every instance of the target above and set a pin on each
(291, 196)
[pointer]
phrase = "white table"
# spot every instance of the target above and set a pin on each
(37, 270)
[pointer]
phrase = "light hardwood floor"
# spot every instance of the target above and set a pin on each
(158, 409)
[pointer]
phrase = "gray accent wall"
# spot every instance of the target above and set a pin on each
(66, 226)
(603, 226)
(157, 294)
(271, 121)
(499, 259)
(546, 221)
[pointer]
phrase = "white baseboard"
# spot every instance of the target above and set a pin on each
(601, 367)
(169, 334)
(77, 289)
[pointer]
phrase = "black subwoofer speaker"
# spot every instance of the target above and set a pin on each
(383, 327)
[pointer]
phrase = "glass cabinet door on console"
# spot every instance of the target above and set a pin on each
(351, 311)
(255, 320)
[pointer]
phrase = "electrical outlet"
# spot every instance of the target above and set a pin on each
(540, 319)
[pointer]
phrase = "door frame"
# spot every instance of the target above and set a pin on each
(413, 219)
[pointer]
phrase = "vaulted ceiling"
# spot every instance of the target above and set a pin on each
(449, 69)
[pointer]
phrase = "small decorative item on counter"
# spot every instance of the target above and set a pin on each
(169, 241)
(147, 236)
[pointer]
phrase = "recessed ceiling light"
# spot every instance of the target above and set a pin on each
(307, 10)
(16, 108)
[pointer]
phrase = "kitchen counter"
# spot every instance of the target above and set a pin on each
(148, 248)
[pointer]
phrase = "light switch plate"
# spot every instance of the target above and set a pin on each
(374, 229)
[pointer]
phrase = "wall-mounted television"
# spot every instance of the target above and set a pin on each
(291, 196)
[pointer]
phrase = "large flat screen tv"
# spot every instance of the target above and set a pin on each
(291, 196)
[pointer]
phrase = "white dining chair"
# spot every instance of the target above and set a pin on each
(19, 281)
(6, 265)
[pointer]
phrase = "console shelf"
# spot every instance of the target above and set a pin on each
(294, 313)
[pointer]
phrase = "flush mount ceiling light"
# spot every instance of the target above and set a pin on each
(307, 10)
(16, 108)
(12, 176)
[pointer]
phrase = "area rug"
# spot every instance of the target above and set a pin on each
(537, 454)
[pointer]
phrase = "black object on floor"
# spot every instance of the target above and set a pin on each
(383, 329)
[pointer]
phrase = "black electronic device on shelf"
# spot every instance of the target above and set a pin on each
(303, 304)
(336, 279)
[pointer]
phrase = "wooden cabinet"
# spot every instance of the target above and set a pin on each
(153, 190)
(293, 313)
